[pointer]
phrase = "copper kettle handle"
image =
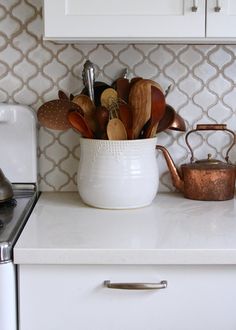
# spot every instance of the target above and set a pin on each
(211, 127)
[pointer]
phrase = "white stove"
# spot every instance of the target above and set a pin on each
(18, 161)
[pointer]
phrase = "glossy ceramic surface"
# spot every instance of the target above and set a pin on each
(18, 143)
(118, 174)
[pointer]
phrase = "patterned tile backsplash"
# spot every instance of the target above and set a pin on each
(203, 79)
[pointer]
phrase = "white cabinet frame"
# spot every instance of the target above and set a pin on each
(124, 20)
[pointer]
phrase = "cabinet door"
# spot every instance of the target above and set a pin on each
(124, 19)
(75, 298)
(221, 19)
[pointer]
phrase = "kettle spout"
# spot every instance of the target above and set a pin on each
(175, 175)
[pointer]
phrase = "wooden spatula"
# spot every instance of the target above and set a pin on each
(140, 101)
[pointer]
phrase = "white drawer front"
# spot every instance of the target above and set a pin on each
(74, 297)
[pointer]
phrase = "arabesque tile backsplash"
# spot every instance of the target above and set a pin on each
(203, 79)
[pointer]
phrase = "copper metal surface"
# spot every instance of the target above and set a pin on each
(208, 184)
(207, 180)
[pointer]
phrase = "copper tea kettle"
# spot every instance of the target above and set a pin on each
(208, 179)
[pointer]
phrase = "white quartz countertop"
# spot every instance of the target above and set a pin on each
(172, 230)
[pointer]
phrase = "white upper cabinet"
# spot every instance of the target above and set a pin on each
(140, 20)
(124, 19)
(221, 19)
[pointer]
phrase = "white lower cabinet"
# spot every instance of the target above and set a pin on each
(62, 297)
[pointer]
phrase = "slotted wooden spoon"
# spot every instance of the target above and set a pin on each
(53, 114)
(62, 95)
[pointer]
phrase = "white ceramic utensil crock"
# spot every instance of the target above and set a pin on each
(118, 174)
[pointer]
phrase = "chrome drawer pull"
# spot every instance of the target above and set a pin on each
(136, 286)
(217, 7)
(195, 6)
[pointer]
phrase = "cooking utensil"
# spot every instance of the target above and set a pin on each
(158, 106)
(123, 89)
(85, 103)
(88, 75)
(134, 80)
(178, 124)
(102, 118)
(140, 101)
(171, 120)
(122, 86)
(109, 97)
(98, 87)
(80, 124)
(167, 91)
(167, 119)
(53, 114)
(116, 130)
(6, 191)
(62, 95)
(126, 116)
(208, 179)
(124, 74)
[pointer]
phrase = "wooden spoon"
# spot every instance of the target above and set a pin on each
(158, 106)
(79, 123)
(102, 118)
(88, 108)
(116, 130)
(85, 103)
(123, 89)
(126, 116)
